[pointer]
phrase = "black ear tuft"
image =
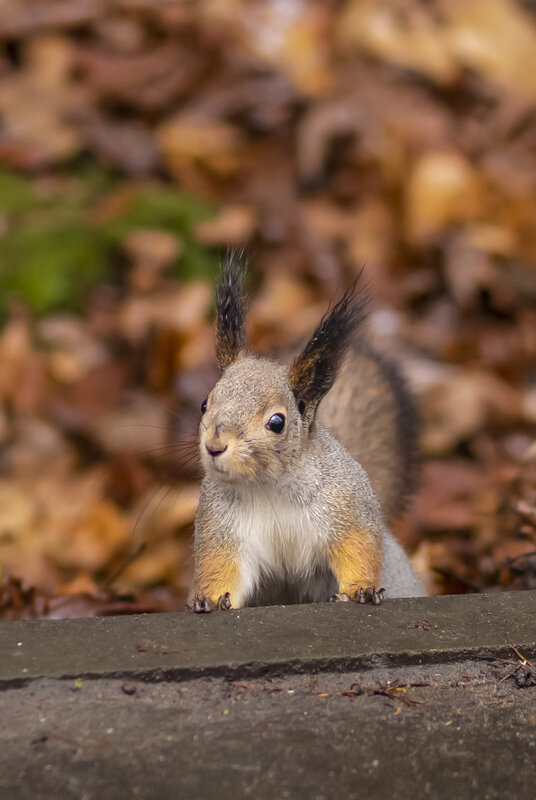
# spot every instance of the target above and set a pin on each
(231, 309)
(313, 372)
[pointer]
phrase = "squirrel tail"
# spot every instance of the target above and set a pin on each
(370, 411)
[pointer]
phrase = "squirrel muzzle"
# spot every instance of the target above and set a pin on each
(215, 447)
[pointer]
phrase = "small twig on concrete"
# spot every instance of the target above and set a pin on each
(523, 659)
(515, 672)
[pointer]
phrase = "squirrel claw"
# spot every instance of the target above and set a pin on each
(224, 602)
(340, 597)
(200, 604)
(369, 595)
(363, 595)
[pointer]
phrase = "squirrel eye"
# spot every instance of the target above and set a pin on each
(276, 423)
(203, 406)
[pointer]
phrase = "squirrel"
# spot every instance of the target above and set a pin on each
(305, 464)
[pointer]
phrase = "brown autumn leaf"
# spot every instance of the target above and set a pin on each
(37, 105)
(443, 189)
(496, 38)
(151, 253)
(408, 36)
(293, 41)
(179, 308)
(71, 350)
(190, 139)
(22, 375)
(234, 225)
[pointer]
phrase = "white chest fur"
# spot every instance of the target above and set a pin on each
(278, 538)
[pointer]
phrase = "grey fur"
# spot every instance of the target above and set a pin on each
(398, 576)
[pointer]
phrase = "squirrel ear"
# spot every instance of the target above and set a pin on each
(231, 308)
(313, 372)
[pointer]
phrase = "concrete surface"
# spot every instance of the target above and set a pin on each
(276, 640)
(414, 699)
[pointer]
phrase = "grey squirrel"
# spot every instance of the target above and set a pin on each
(304, 466)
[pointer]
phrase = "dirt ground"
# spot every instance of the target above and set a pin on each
(463, 730)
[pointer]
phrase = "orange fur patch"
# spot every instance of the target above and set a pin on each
(216, 572)
(356, 561)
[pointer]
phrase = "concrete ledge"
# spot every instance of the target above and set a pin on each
(270, 641)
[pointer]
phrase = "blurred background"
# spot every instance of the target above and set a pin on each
(138, 139)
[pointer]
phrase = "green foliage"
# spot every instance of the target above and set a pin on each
(54, 245)
(173, 211)
(51, 268)
(15, 194)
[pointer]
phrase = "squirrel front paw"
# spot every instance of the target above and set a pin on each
(224, 602)
(201, 604)
(340, 597)
(369, 595)
(363, 595)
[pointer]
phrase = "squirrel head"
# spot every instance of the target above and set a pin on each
(261, 414)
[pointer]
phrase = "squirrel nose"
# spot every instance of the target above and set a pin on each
(215, 448)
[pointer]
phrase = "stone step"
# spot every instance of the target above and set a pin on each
(273, 640)
(424, 698)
